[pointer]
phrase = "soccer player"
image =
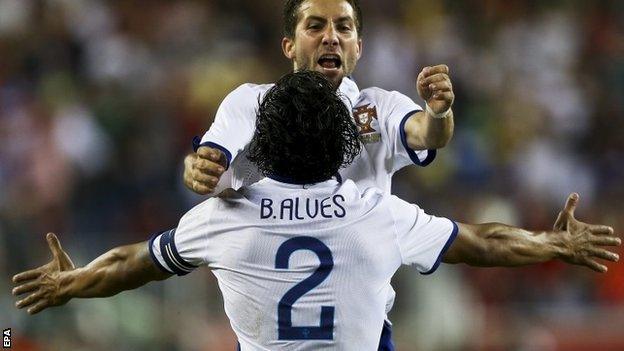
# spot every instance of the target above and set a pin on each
(302, 259)
(326, 36)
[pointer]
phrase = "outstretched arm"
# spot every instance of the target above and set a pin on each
(497, 244)
(54, 284)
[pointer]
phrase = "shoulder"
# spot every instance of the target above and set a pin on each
(380, 208)
(247, 93)
(371, 196)
(384, 96)
(210, 211)
(388, 107)
(254, 88)
(230, 195)
(200, 211)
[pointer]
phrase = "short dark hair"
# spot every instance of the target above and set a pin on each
(304, 132)
(291, 16)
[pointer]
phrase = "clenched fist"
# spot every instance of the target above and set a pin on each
(435, 87)
(202, 170)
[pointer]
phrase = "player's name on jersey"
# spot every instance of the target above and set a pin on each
(300, 208)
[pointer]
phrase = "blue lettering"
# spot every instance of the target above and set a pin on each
(290, 209)
(287, 204)
(297, 209)
(316, 209)
(266, 204)
(344, 212)
(323, 207)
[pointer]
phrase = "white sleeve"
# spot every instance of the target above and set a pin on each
(399, 109)
(235, 122)
(185, 248)
(423, 239)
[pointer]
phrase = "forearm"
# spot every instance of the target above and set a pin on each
(122, 268)
(495, 244)
(425, 132)
(439, 131)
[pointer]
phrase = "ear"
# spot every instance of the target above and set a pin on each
(360, 48)
(288, 48)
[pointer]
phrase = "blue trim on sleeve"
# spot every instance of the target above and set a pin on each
(176, 254)
(196, 143)
(228, 155)
(153, 256)
(444, 249)
(431, 154)
(164, 241)
(172, 258)
(385, 341)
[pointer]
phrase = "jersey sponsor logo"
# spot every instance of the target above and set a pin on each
(368, 124)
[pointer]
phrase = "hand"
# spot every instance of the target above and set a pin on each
(583, 240)
(435, 87)
(202, 170)
(44, 282)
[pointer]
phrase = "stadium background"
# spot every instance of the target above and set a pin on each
(99, 101)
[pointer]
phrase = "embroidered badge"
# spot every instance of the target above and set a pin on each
(368, 125)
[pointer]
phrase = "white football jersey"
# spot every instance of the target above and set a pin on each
(304, 267)
(379, 114)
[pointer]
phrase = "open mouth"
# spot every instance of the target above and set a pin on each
(330, 61)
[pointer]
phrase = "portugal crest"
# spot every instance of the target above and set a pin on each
(366, 120)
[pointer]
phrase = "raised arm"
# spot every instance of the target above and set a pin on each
(571, 241)
(423, 130)
(229, 134)
(54, 284)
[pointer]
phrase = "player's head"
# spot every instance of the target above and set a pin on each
(304, 132)
(323, 36)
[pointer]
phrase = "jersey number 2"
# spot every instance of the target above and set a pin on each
(286, 331)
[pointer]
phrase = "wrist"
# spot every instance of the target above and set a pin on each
(68, 283)
(559, 247)
(441, 115)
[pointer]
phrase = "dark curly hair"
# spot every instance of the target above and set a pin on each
(291, 16)
(304, 132)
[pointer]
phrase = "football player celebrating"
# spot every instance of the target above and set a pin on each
(326, 36)
(304, 260)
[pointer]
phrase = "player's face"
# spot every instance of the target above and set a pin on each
(326, 39)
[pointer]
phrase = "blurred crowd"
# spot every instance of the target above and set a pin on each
(99, 101)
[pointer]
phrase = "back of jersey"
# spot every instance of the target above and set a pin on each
(300, 268)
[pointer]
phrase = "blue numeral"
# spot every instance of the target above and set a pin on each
(286, 331)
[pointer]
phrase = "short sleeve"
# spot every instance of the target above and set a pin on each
(423, 239)
(400, 108)
(183, 249)
(235, 122)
